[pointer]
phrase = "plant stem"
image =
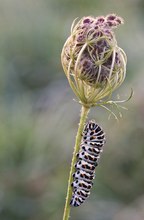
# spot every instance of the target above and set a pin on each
(83, 117)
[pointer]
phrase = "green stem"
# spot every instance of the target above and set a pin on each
(83, 117)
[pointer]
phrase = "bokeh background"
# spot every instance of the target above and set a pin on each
(39, 118)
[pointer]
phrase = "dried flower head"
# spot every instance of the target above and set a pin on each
(92, 60)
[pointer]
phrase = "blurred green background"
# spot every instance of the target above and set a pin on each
(39, 119)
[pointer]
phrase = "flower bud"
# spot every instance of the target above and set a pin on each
(91, 58)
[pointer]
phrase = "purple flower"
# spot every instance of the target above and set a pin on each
(91, 52)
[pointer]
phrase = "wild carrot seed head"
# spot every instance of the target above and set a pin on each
(91, 53)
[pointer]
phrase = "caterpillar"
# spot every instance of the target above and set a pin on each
(93, 139)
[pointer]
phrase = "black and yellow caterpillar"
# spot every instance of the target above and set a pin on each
(93, 139)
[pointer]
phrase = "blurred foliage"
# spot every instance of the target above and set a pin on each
(38, 117)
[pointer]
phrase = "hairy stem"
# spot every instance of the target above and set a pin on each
(83, 117)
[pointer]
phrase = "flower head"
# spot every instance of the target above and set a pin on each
(92, 60)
